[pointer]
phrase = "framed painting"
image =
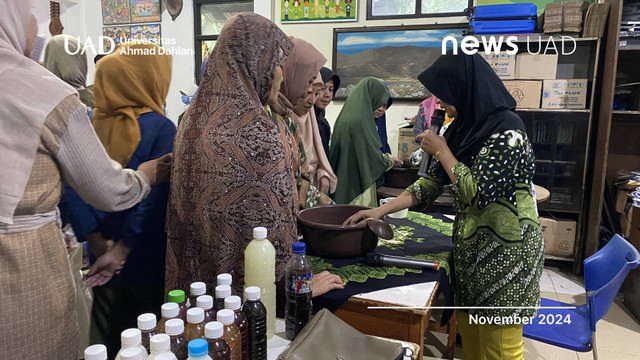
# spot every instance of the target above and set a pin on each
(145, 11)
(302, 11)
(151, 32)
(395, 54)
(119, 35)
(115, 12)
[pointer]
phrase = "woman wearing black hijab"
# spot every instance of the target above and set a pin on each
(486, 162)
(331, 82)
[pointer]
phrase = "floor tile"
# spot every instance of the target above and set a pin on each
(565, 285)
(618, 332)
(538, 350)
(546, 285)
(607, 355)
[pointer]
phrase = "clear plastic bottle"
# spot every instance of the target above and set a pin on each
(218, 348)
(175, 330)
(196, 289)
(299, 273)
(160, 345)
(169, 311)
(235, 303)
(231, 335)
(205, 302)
(260, 271)
(222, 292)
(131, 354)
(95, 352)
(178, 297)
(224, 279)
(131, 338)
(256, 315)
(195, 324)
(199, 350)
(147, 326)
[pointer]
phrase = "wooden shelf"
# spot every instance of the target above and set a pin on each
(626, 112)
(558, 258)
(555, 110)
(629, 47)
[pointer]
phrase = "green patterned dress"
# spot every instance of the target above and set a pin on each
(498, 247)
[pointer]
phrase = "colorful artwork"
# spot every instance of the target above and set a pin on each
(119, 35)
(318, 10)
(116, 12)
(396, 55)
(145, 11)
(150, 32)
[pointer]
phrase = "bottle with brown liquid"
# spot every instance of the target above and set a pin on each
(195, 324)
(234, 303)
(169, 311)
(218, 348)
(178, 297)
(196, 289)
(222, 292)
(225, 279)
(205, 302)
(231, 335)
(147, 327)
(179, 343)
(257, 319)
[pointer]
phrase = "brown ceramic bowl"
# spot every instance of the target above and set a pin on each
(325, 235)
(400, 178)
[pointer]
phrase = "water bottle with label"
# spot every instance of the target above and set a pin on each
(299, 274)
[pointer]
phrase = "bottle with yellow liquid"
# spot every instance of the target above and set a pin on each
(260, 271)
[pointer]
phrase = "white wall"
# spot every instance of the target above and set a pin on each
(321, 36)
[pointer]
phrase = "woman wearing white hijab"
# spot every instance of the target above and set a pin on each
(45, 138)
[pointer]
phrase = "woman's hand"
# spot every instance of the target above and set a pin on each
(397, 162)
(107, 266)
(324, 185)
(324, 282)
(98, 245)
(433, 143)
(157, 170)
(364, 214)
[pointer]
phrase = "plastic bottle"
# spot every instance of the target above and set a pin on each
(175, 330)
(178, 297)
(147, 326)
(205, 302)
(199, 350)
(196, 289)
(222, 292)
(131, 338)
(231, 335)
(234, 303)
(169, 311)
(165, 356)
(195, 324)
(224, 279)
(218, 348)
(131, 354)
(298, 291)
(95, 352)
(160, 345)
(256, 315)
(260, 271)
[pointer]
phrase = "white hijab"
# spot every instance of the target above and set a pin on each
(28, 93)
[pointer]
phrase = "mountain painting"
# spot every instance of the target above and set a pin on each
(397, 57)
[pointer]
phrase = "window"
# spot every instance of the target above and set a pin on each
(401, 9)
(209, 18)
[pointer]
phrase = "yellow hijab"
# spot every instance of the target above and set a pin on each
(133, 81)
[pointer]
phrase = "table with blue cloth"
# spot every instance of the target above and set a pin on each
(419, 235)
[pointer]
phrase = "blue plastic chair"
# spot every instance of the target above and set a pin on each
(575, 329)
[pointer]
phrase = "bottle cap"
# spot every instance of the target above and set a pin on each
(226, 317)
(224, 279)
(252, 293)
(95, 352)
(133, 353)
(233, 303)
(298, 248)
(260, 233)
(195, 315)
(213, 330)
(198, 288)
(176, 296)
(130, 337)
(174, 327)
(204, 302)
(165, 356)
(147, 322)
(223, 291)
(198, 348)
(159, 343)
(170, 310)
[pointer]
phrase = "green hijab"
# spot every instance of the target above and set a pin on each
(355, 145)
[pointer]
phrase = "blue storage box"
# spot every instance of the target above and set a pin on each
(502, 19)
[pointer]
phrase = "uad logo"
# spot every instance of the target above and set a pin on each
(104, 43)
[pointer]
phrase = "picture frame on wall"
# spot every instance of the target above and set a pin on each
(150, 32)
(305, 11)
(116, 12)
(146, 11)
(395, 54)
(119, 35)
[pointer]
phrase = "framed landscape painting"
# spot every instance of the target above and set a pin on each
(395, 54)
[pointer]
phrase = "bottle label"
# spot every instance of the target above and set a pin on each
(300, 284)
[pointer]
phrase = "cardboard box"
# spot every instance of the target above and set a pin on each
(559, 236)
(503, 64)
(621, 200)
(564, 94)
(536, 67)
(526, 93)
(406, 143)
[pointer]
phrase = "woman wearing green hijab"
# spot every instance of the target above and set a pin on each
(355, 145)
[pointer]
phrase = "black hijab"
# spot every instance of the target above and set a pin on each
(484, 105)
(323, 124)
